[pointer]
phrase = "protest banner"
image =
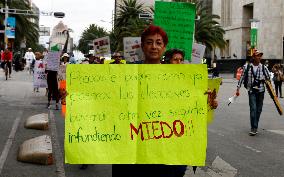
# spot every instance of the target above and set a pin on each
(11, 27)
(40, 80)
(197, 53)
(136, 114)
(177, 19)
(213, 85)
(102, 46)
(53, 61)
(132, 49)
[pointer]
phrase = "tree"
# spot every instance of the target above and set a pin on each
(127, 22)
(89, 34)
(25, 28)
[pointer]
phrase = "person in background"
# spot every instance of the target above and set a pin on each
(102, 60)
(29, 57)
(92, 59)
(64, 59)
(7, 57)
(174, 56)
(17, 61)
(38, 61)
(117, 58)
(253, 76)
(278, 79)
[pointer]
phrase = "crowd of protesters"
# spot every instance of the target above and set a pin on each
(153, 42)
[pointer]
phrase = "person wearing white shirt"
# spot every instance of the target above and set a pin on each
(29, 57)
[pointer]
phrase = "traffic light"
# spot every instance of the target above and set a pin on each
(59, 14)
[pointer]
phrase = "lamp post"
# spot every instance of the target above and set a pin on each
(5, 24)
(8, 11)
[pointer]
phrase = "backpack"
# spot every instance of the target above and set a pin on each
(246, 75)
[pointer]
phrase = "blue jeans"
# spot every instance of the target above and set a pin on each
(255, 104)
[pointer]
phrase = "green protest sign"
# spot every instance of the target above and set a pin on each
(136, 114)
(253, 37)
(177, 19)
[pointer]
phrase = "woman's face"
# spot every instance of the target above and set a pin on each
(153, 48)
(176, 59)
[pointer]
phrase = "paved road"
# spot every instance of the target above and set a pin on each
(230, 152)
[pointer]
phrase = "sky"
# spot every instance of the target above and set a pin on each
(79, 14)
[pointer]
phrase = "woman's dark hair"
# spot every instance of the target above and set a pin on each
(170, 53)
(152, 30)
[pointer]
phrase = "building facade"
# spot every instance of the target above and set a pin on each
(59, 36)
(236, 17)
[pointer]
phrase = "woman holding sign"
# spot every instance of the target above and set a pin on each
(153, 41)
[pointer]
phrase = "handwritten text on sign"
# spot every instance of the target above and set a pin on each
(147, 114)
(177, 19)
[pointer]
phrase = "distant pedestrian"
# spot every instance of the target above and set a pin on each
(253, 77)
(29, 57)
(52, 84)
(17, 61)
(7, 57)
(38, 62)
(117, 58)
(278, 79)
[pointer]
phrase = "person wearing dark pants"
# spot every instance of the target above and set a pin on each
(255, 104)
(278, 78)
(52, 88)
(253, 77)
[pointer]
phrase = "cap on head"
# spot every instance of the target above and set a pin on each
(65, 55)
(257, 53)
(29, 48)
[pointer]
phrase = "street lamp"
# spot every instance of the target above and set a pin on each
(8, 11)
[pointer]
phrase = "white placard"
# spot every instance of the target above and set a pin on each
(197, 53)
(132, 49)
(40, 80)
(102, 46)
(53, 60)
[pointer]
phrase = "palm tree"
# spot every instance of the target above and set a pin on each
(25, 28)
(127, 22)
(89, 34)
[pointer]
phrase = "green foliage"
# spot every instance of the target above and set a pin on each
(127, 22)
(25, 28)
(89, 34)
(207, 29)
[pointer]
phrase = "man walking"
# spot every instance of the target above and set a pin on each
(253, 76)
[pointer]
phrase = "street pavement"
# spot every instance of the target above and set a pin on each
(230, 152)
